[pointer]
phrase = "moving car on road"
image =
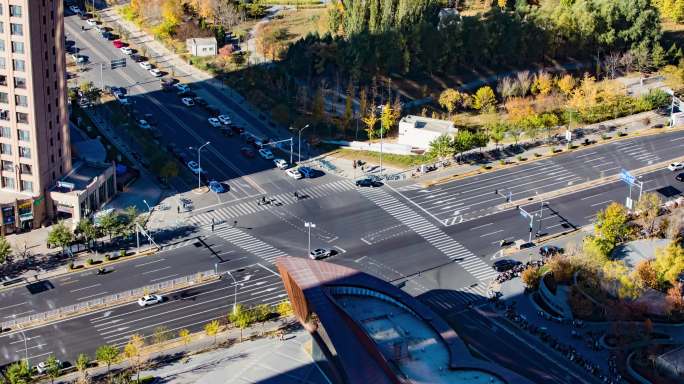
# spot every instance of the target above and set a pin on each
(187, 101)
(504, 265)
(150, 300)
(281, 164)
(194, 167)
(294, 173)
(216, 187)
(214, 122)
(368, 182)
(676, 166)
(266, 153)
(319, 253)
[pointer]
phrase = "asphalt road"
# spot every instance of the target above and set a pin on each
(191, 308)
(468, 199)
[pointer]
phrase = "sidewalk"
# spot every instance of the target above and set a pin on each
(264, 359)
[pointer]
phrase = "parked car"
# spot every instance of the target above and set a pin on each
(213, 111)
(144, 124)
(216, 187)
(187, 101)
(117, 43)
(194, 167)
(550, 250)
(319, 253)
(155, 72)
(504, 265)
(166, 84)
(680, 177)
(200, 101)
(214, 122)
(138, 59)
(78, 58)
(676, 166)
(127, 50)
(294, 173)
(150, 300)
(106, 35)
(146, 65)
(42, 367)
(91, 22)
(307, 172)
(121, 98)
(181, 87)
(368, 182)
(281, 164)
(99, 28)
(247, 152)
(225, 119)
(74, 9)
(266, 153)
(237, 129)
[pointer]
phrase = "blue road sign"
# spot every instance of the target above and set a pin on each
(627, 177)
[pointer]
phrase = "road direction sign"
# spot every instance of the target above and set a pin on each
(118, 63)
(627, 177)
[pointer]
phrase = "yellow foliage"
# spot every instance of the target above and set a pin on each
(518, 108)
(566, 84)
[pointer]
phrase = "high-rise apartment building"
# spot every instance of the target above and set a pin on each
(34, 135)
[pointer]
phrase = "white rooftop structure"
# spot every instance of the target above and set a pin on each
(419, 131)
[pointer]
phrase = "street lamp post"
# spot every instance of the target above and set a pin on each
(199, 163)
(299, 144)
(309, 225)
(149, 210)
(235, 292)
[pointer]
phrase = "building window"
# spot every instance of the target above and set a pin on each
(25, 169)
(23, 135)
(22, 117)
(6, 132)
(25, 152)
(15, 10)
(2, 63)
(7, 166)
(5, 149)
(26, 186)
(17, 47)
(19, 82)
(4, 114)
(3, 80)
(21, 100)
(2, 27)
(16, 29)
(4, 98)
(18, 65)
(8, 182)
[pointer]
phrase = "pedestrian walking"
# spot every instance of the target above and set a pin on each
(213, 223)
(178, 209)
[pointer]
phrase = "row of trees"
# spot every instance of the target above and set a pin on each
(408, 37)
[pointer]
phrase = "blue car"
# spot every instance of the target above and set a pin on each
(307, 172)
(216, 187)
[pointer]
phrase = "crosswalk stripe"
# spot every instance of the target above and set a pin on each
(430, 232)
(250, 243)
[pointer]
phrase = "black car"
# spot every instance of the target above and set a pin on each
(550, 250)
(368, 182)
(237, 129)
(137, 58)
(106, 35)
(680, 177)
(200, 101)
(213, 111)
(505, 264)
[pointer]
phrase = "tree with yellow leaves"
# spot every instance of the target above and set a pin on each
(449, 99)
(134, 352)
(566, 84)
(370, 121)
(518, 108)
(543, 84)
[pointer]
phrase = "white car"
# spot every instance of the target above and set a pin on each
(281, 164)
(121, 98)
(127, 50)
(74, 9)
(146, 65)
(155, 72)
(188, 101)
(266, 153)
(319, 253)
(293, 173)
(181, 87)
(42, 366)
(150, 300)
(194, 167)
(78, 58)
(144, 124)
(676, 166)
(214, 122)
(91, 22)
(225, 119)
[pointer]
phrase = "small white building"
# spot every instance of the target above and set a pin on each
(419, 131)
(202, 46)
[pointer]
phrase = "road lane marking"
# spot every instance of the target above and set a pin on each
(492, 233)
(602, 203)
(165, 277)
(156, 270)
(679, 138)
(27, 339)
(585, 155)
(340, 248)
(88, 297)
(592, 196)
(602, 164)
(148, 263)
(481, 226)
(13, 305)
(80, 289)
(592, 160)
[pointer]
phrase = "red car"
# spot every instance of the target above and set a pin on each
(247, 151)
(117, 43)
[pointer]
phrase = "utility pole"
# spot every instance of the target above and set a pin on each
(299, 144)
(309, 226)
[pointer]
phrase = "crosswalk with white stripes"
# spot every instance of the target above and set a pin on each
(249, 207)
(456, 299)
(430, 232)
(249, 243)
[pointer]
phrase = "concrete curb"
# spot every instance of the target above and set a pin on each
(480, 170)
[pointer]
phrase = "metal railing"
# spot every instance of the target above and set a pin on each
(113, 299)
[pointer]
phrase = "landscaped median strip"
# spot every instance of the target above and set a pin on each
(110, 300)
(493, 167)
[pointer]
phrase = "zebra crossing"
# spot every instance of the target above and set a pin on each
(253, 206)
(180, 244)
(430, 232)
(250, 243)
(456, 299)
